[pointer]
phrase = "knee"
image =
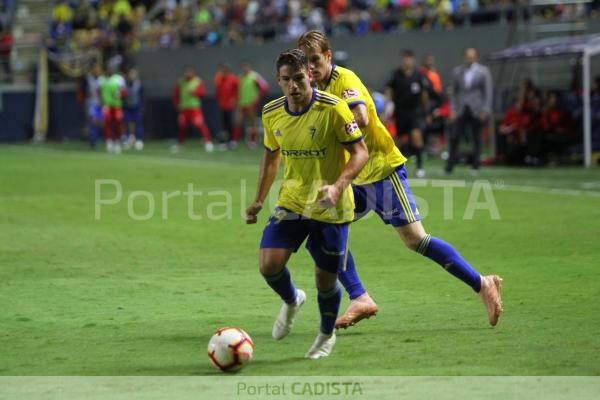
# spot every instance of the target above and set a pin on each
(413, 240)
(325, 281)
(267, 268)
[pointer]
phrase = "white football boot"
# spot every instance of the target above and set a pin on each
(285, 320)
(322, 346)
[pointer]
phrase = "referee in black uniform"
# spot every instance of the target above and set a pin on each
(408, 89)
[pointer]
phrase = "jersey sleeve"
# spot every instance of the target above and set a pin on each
(269, 141)
(351, 91)
(347, 129)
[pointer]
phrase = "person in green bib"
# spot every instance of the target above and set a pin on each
(112, 91)
(252, 87)
(187, 99)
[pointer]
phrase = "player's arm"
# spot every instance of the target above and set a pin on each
(175, 97)
(359, 156)
(200, 90)
(360, 115)
(355, 98)
(269, 165)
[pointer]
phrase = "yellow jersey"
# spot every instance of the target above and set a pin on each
(311, 145)
(384, 156)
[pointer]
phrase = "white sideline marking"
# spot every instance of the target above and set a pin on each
(150, 159)
(189, 162)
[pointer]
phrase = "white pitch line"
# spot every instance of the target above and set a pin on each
(547, 190)
(149, 159)
(220, 164)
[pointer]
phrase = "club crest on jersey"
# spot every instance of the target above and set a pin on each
(311, 131)
(278, 133)
(348, 93)
(351, 128)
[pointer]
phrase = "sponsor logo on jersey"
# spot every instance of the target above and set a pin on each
(278, 133)
(303, 153)
(348, 93)
(351, 128)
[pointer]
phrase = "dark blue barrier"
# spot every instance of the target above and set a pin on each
(66, 118)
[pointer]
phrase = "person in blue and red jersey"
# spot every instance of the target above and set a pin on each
(187, 99)
(226, 88)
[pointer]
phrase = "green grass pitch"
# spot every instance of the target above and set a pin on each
(119, 296)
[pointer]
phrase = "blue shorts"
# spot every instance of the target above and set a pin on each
(390, 198)
(94, 111)
(132, 115)
(327, 243)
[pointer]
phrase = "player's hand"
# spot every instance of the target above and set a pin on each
(330, 194)
(252, 211)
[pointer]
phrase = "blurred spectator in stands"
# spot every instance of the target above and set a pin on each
(226, 88)
(252, 88)
(134, 111)
(471, 106)
(558, 129)
(513, 133)
(62, 21)
(62, 12)
(187, 98)
(6, 43)
(4, 13)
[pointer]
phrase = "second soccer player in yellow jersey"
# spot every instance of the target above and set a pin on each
(382, 187)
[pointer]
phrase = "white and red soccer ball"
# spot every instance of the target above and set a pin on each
(230, 349)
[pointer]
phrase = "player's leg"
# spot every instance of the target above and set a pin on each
(237, 127)
(455, 133)
(199, 123)
(328, 246)
(416, 136)
(107, 128)
(128, 127)
(95, 123)
(139, 129)
(253, 126)
(117, 114)
(361, 304)
(476, 127)
(282, 236)
(183, 120)
(408, 225)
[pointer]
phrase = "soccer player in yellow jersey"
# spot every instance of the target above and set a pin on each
(323, 151)
(382, 187)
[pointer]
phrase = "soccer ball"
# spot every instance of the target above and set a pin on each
(230, 349)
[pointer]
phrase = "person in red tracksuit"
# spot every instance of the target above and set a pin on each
(226, 88)
(187, 99)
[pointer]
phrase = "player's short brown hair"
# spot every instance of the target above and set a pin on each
(295, 58)
(314, 40)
